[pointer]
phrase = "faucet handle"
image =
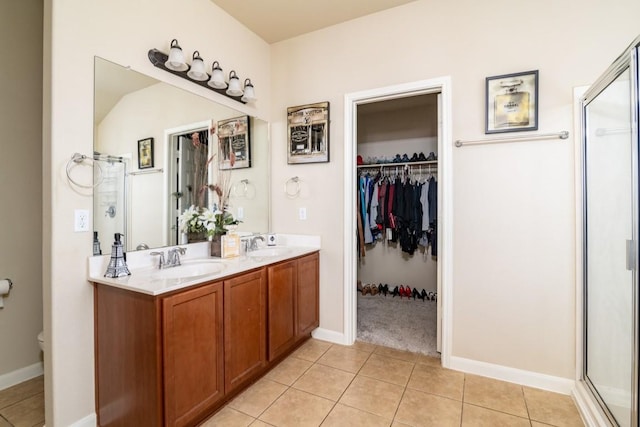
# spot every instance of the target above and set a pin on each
(161, 263)
(180, 250)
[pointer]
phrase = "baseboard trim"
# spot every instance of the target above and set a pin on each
(331, 336)
(518, 376)
(20, 375)
(591, 413)
(89, 421)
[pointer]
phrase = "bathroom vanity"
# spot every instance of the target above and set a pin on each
(169, 352)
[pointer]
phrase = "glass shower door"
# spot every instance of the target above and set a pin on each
(610, 180)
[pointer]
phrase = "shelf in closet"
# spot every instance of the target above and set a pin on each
(401, 164)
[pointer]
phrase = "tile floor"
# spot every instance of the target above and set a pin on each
(363, 385)
(23, 404)
(367, 385)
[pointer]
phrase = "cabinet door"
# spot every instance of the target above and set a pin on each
(193, 353)
(307, 295)
(245, 328)
(281, 305)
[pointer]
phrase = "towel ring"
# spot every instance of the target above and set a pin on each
(78, 158)
(244, 189)
(296, 191)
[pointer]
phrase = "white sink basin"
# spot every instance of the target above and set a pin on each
(190, 269)
(268, 252)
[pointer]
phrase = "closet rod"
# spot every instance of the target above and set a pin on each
(557, 135)
(395, 165)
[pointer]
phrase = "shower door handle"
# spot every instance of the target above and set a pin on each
(631, 255)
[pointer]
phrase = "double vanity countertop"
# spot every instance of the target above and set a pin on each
(196, 265)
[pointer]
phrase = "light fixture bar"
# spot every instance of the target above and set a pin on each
(158, 59)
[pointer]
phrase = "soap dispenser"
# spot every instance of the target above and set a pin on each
(96, 244)
(117, 265)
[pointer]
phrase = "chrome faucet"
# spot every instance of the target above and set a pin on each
(253, 245)
(173, 257)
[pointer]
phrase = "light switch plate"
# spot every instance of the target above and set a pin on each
(302, 213)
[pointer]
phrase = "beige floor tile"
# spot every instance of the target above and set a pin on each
(398, 424)
(297, 408)
(324, 381)
(289, 370)
(4, 423)
(396, 354)
(364, 346)
(537, 424)
(423, 409)
(228, 417)
(312, 350)
(26, 413)
(494, 394)
(436, 380)
(254, 400)
(344, 358)
(345, 416)
(387, 369)
(551, 408)
(475, 416)
(371, 395)
(434, 362)
(21, 391)
(258, 423)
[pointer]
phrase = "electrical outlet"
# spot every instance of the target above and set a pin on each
(302, 213)
(240, 214)
(81, 222)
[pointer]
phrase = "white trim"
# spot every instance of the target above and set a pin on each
(330, 336)
(90, 420)
(513, 375)
(590, 411)
(20, 375)
(445, 184)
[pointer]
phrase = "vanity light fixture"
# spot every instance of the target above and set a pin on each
(249, 92)
(234, 84)
(217, 77)
(175, 61)
(196, 73)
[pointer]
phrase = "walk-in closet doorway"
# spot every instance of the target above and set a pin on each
(436, 89)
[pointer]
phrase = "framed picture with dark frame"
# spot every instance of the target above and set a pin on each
(308, 133)
(512, 102)
(234, 143)
(145, 153)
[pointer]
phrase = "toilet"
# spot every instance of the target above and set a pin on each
(41, 340)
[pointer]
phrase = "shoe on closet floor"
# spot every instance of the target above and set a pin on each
(395, 292)
(414, 158)
(374, 290)
(405, 158)
(396, 159)
(359, 286)
(424, 295)
(432, 156)
(421, 157)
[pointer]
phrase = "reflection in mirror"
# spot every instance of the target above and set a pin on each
(144, 202)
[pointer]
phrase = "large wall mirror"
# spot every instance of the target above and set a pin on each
(156, 147)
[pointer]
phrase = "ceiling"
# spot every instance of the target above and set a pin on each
(277, 20)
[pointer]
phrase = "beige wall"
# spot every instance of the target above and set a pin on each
(121, 31)
(21, 177)
(513, 208)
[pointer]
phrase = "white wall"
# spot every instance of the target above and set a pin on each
(121, 31)
(513, 266)
(21, 177)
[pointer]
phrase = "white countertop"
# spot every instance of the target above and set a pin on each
(145, 274)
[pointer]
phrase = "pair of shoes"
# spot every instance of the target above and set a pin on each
(383, 289)
(424, 295)
(421, 157)
(405, 158)
(366, 289)
(396, 292)
(432, 156)
(415, 293)
(405, 292)
(397, 159)
(414, 158)
(374, 290)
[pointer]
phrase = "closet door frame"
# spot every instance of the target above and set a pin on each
(441, 85)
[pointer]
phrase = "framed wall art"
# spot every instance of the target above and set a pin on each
(308, 133)
(145, 153)
(512, 102)
(234, 146)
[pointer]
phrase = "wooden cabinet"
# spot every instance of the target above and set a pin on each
(307, 300)
(282, 307)
(173, 359)
(193, 353)
(292, 302)
(245, 352)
